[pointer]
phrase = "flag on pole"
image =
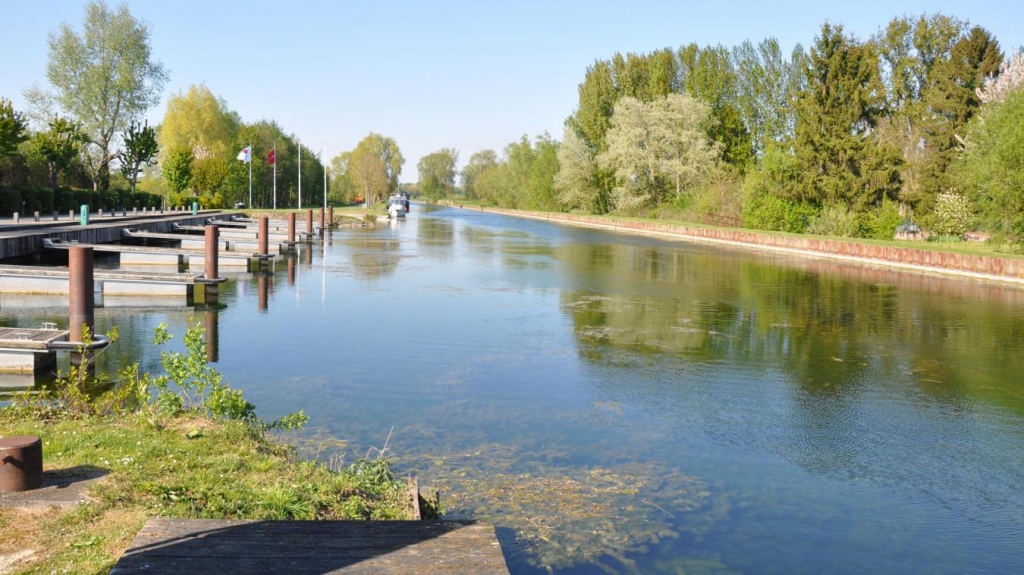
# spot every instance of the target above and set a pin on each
(244, 154)
(270, 157)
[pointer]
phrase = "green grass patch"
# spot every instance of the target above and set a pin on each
(181, 466)
(181, 444)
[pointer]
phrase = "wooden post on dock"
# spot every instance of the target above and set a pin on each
(322, 215)
(309, 226)
(212, 246)
(264, 233)
(211, 263)
(330, 217)
(80, 291)
(291, 227)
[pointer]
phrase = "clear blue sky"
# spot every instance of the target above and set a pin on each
(468, 75)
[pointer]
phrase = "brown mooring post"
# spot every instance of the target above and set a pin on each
(80, 291)
(21, 463)
(330, 217)
(322, 215)
(264, 234)
(291, 227)
(211, 263)
(309, 225)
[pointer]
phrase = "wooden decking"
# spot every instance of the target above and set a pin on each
(229, 547)
(28, 338)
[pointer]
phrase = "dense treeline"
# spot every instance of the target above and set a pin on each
(201, 140)
(849, 137)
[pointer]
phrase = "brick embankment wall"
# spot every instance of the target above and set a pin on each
(987, 267)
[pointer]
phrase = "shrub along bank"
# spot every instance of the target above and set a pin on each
(28, 199)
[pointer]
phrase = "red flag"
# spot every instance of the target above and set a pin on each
(270, 157)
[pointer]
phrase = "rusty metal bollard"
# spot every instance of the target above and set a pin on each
(21, 463)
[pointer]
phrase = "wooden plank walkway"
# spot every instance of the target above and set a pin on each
(29, 338)
(230, 547)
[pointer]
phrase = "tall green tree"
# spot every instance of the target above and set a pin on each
(374, 167)
(909, 49)
(202, 121)
(576, 181)
(437, 173)
(766, 87)
(478, 163)
(991, 169)
(59, 147)
(13, 128)
(177, 172)
(952, 98)
(711, 77)
(140, 149)
(104, 78)
(839, 158)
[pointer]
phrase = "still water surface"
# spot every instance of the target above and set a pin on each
(629, 404)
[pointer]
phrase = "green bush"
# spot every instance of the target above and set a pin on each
(10, 201)
(836, 220)
(45, 200)
(880, 223)
(768, 212)
(64, 200)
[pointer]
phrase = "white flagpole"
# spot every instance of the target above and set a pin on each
(250, 176)
(275, 174)
(300, 176)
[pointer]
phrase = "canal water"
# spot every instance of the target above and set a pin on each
(619, 403)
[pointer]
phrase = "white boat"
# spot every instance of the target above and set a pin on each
(398, 205)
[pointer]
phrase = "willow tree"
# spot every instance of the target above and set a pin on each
(104, 78)
(478, 164)
(374, 167)
(576, 181)
(199, 120)
(437, 173)
(658, 150)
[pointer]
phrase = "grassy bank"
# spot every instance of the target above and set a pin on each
(181, 444)
(181, 466)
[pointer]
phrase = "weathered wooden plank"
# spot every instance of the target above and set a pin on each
(227, 547)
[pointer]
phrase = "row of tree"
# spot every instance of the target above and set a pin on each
(848, 137)
(200, 142)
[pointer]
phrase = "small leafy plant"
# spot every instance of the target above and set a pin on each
(190, 384)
